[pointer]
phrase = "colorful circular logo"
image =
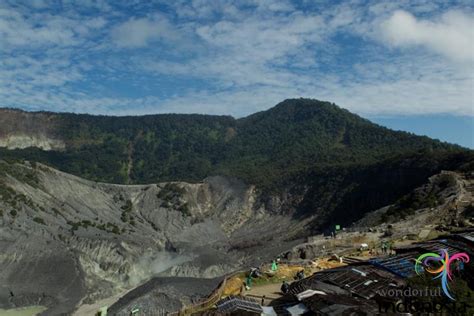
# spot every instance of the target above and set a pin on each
(440, 264)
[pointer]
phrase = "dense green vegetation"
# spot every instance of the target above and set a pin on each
(262, 148)
(324, 159)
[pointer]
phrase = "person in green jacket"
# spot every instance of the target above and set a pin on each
(274, 265)
(248, 282)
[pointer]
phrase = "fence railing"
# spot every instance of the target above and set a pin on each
(216, 295)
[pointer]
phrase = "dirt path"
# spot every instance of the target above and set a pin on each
(270, 291)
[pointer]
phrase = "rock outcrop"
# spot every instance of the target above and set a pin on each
(19, 130)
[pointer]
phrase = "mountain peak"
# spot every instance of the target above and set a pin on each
(304, 109)
(303, 104)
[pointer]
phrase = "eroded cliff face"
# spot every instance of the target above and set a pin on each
(19, 130)
(105, 238)
(26, 141)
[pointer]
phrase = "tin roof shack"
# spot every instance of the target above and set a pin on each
(467, 237)
(468, 234)
(361, 280)
(336, 305)
(365, 287)
(453, 243)
(465, 243)
(238, 305)
(356, 288)
(402, 263)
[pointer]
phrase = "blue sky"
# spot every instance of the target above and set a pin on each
(448, 128)
(406, 64)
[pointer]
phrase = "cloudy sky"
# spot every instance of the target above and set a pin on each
(407, 65)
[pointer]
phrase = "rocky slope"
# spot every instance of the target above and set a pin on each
(66, 241)
(444, 203)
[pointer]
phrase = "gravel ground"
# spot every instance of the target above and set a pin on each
(164, 294)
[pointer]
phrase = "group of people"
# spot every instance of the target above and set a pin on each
(386, 248)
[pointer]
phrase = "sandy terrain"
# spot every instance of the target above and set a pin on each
(91, 309)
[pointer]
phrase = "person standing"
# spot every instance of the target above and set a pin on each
(274, 266)
(248, 282)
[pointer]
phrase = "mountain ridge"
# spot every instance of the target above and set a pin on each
(166, 147)
(284, 106)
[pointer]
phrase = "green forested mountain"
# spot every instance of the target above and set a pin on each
(305, 156)
(294, 136)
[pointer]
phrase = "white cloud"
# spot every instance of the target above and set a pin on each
(237, 57)
(16, 30)
(30, 31)
(274, 5)
(257, 39)
(452, 35)
(140, 32)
